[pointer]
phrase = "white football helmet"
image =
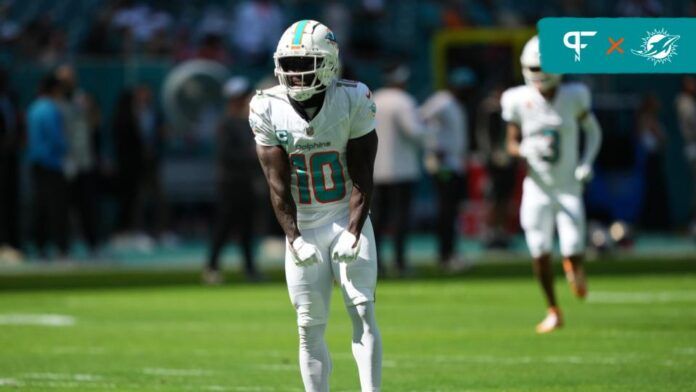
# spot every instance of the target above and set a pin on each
(306, 59)
(531, 67)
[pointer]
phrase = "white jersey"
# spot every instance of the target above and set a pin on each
(321, 185)
(448, 120)
(401, 136)
(558, 119)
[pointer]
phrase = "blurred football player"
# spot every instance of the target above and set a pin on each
(316, 142)
(543, 118)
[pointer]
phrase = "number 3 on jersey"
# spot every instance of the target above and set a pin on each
(320, 164)
(555, 145)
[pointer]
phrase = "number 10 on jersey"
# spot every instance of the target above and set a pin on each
(320, 164)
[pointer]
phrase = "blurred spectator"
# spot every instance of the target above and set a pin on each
(184, 48)
(337, 16)
(103, 165)
(373, 7)
(237, 171)
(139, 134)
(453, 16)
(142, 27)
(446, 155)
(214, 21)
(365, 41)
(10, 144)
(98, 41)
(36, 35)
(159, 44)
(93, 114)
(481, 12)
(490, 138)
(459, 14)
(686, 113)
(43, 40)
(80, 162)
(151, 203)
(652, 139)
(256, 29)
(212, 48)
(128, 159)
(47, 150)
(56, 49)
(141, 20)
(639, 8)
(397, 166)
(9, 29)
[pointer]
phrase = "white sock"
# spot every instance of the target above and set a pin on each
(315, 362)
(367, 346)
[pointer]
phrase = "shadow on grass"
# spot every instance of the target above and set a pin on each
(91, 279)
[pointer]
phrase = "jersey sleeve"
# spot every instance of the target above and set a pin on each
(363, 114)
(508, 107)
(260, 122)
(584, 98)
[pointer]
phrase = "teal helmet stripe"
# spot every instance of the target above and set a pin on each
(298, 32)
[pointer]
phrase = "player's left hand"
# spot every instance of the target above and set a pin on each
(583, 173)
(346, 248)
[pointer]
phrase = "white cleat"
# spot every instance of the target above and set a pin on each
(551, 322)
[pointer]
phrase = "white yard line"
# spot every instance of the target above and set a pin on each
(75, 350)
(685, 350)
(215, 388)
(640, 297)
(414, 361)
(279, 367)
(388, 364)
(66, 384)
(177, 372)
(46, 320)
(9, 382)
(78, 377)
(76, 381)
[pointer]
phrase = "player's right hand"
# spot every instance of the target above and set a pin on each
(304, 254)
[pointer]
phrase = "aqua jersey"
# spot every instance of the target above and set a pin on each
(320, 182)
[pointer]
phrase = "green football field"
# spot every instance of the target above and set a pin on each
(475, 332)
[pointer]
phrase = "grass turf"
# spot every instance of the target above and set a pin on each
(637, 332)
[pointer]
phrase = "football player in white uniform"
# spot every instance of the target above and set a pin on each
(543, 118)
(316, 142)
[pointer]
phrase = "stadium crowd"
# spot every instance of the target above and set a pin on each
(246, 31)
(61, 134)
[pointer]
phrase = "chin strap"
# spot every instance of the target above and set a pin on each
(593, 138)
(316, 90)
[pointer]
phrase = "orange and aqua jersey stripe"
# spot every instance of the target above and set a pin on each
(299, 29)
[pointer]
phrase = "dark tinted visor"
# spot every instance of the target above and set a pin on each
(298, 64)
